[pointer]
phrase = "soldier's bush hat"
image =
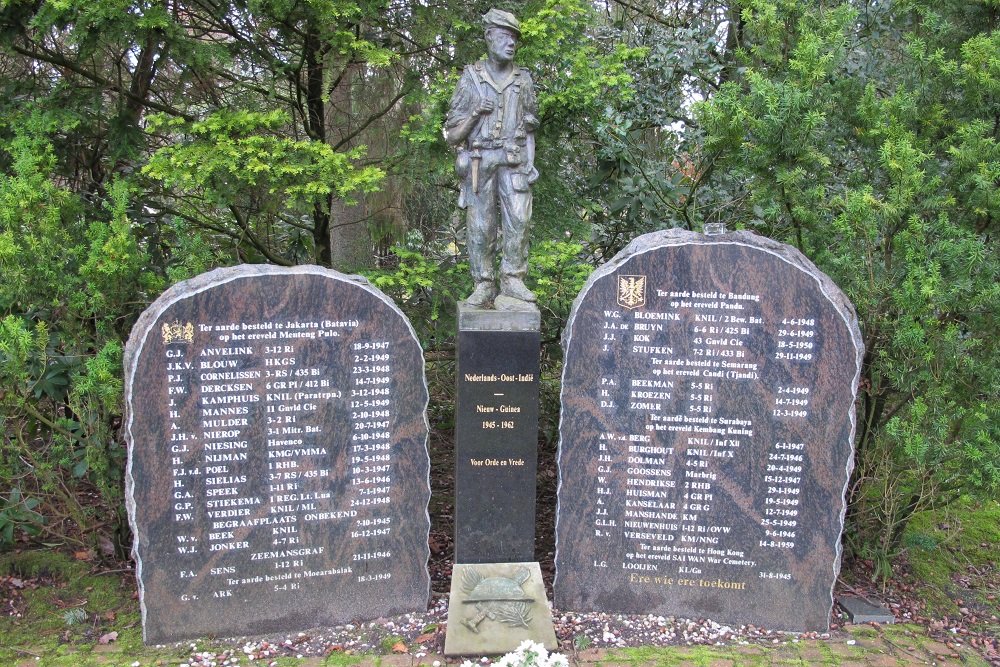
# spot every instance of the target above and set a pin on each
(497, 18)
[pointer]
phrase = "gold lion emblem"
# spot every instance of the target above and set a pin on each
(177, 333)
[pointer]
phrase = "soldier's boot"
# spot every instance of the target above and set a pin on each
(514, 288)
(483, 295)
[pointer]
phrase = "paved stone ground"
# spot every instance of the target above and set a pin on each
(878, 651)
(853, 646)
(815, 652)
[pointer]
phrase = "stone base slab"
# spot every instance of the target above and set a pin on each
(493, 607)
(863, 611)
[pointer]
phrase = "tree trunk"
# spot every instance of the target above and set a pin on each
(350, 241)
(366, 109)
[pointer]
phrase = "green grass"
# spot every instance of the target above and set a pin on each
(64, 620)
(952, 554)
(670, 656)
(343, 660)
(910, 644)
(710, 656)
(42, 564)
(388, 642)
(904, 644)
(97, 604)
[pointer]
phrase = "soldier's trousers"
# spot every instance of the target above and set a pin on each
(503, 204)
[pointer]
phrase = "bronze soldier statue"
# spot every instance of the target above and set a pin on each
(492, 119)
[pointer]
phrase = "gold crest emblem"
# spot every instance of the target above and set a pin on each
(177, 333)
(631, 291)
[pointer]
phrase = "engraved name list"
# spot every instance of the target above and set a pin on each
(706, 434)
(276, 448)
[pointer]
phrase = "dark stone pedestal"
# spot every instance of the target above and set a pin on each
(496, 435)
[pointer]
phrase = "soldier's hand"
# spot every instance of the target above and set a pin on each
(485, 107)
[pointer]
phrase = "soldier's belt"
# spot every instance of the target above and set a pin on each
(495, 144)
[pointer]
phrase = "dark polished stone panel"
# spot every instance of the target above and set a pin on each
(278, 468)
(496, 436)
(706, 433)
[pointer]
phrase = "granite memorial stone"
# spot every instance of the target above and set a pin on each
(706, 433)
(278, 469)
